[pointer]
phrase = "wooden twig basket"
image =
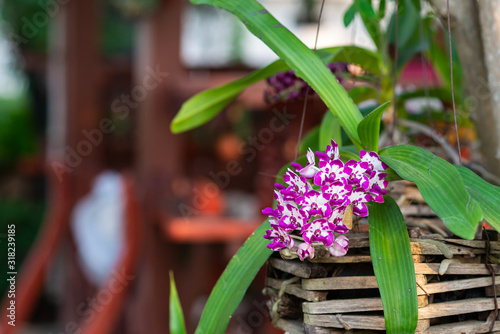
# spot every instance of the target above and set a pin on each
(340, 295)
(334, 295)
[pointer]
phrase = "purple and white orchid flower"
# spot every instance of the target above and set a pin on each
(373, 160)
(310, 170)
(312, 205)
(297, 185)
(339, 247)
(331, 153)
(279, 239)
(331, 172)
(318, 231)
(315, 203)
(305, 250)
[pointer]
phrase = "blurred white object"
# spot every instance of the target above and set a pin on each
(241, 205)
(98, 226)
(419, 105)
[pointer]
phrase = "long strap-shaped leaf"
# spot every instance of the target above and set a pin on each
(234, 282)
(440, 184)
(369, 128)
(328, 130)
(366, 59)
(299, 57)
(393, 266)
(487, 195)
(370, 20)
(177, 324)
(205, 105)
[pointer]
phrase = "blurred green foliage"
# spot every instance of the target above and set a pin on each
(26, 23)
(18, 16)
(17, 133)
(116, 32)
(135, 8)
(26, 216)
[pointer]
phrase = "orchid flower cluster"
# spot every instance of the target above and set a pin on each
(287, 86)
(310, 209)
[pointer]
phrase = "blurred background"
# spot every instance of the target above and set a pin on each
(105, 200)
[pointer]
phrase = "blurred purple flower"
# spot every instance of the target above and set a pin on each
(286, 86)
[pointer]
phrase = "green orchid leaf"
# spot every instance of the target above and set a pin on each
(350, 14)
(438, 52)
(362, 93)
(299, 57)
(417, 43)
(234, 282)
(407, 25)
(392, 175)
(411, 40)
(370, 20)
(310, 141)
(369, 128)
(329, 129)
(393, 265)
(348, 155)
(364, 58)
(351, 149)
(177, 325)
(486, 194)
(441, 186)
(205, 105)
(416, 4)
(381, 10)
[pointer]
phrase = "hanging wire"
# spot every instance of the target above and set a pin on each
(394, 97)
(451, 75)
(424, 63)
(302, 124)
(307, 88)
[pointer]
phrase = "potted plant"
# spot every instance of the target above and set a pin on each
(456, 194)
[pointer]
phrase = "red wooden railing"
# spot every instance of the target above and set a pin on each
(31, 276)
(54, 230)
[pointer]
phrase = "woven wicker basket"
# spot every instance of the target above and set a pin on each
(340, 295)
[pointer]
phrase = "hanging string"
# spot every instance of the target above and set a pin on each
(395, 115)
(302, 124)
(451, 75)
(424, 63)
(308, 87)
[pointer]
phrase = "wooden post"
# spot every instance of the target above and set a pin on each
(74, 133)
(158, 157)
